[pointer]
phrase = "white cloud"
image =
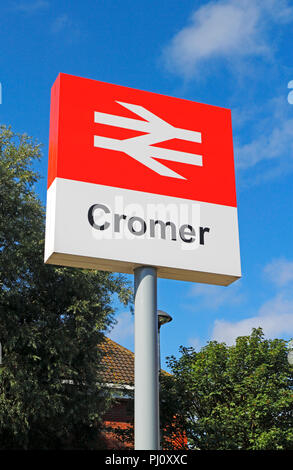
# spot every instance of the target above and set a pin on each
(275, 316)
(280, 271)
(195, 343)
(267, 151)
(60, 23)
(214, 297)
(30, 7)
(224, 29)
(277, 142)
(124, 328)
(63, 24)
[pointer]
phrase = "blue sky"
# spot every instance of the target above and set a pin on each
(235, 54)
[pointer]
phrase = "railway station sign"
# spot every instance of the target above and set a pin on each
(137, 178)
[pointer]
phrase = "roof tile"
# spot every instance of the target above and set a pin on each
(118, 363)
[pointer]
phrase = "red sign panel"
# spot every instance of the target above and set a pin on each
(126, 138)
(137, 178)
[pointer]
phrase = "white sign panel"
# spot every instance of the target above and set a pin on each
(136, 178)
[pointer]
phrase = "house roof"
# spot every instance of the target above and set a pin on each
(118, 363)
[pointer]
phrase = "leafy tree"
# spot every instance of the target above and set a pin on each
(51, 321)
(237, 397)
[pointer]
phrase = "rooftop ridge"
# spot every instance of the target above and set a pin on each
(119, 345)
(119, 362)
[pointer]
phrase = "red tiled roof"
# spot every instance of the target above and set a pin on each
(118, 363)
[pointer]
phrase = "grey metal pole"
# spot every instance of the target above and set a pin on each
(159, 372)
(146, 379)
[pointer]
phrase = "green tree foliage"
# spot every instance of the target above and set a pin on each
(51, 321)
(232, 398)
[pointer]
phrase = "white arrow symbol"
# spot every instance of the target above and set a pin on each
(140, 147)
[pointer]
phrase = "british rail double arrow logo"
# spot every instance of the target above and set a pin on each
(140, 148)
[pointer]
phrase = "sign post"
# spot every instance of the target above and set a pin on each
(146, 368)
(141, 183)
